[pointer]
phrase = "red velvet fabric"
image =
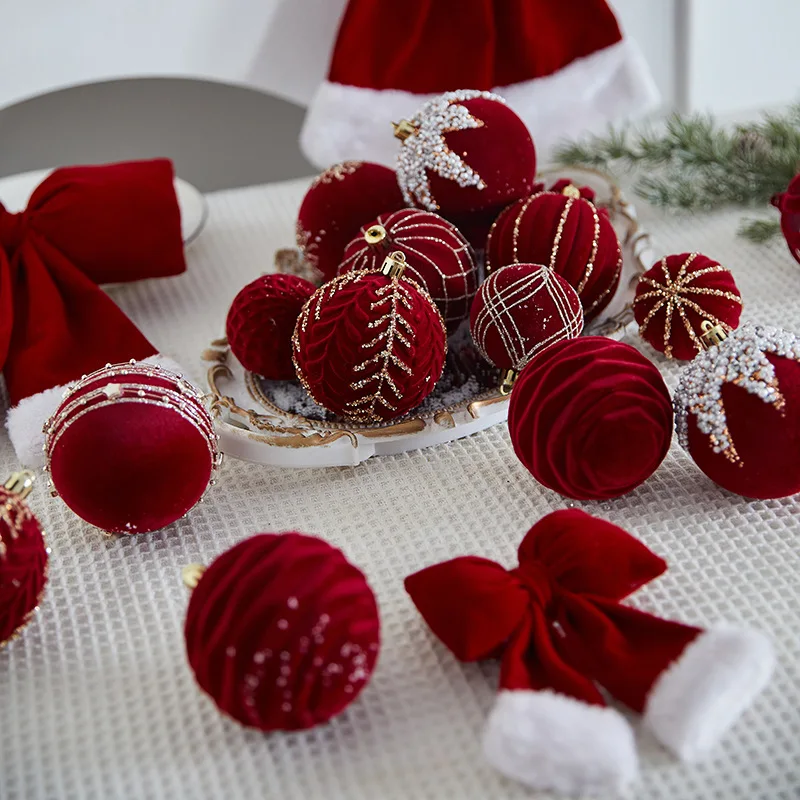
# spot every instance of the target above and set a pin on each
(590, 418)
(130, 467)
(766, 439)
(479, 44)
(23, 565)
(571, 236)
(788, 203)
(83, 226)
(519, 311)
(555, 620)
(261, 321)
(678, 294)
(502, 152)
(438, 258)
(369, 348)
(282, 631)
(337, 204)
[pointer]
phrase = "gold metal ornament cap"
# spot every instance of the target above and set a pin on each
(571, 191)
(394, 265)
(507, 384)
(712, 335)
(404, 129)
(375, 234)
(20, 483)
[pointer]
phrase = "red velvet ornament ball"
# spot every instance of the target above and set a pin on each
(738, 412)
(438, 257)
(261, 321)
(338, 203)
(369, 347)
(520, 310)
(591, 418)
(788, 203)
(23, 558)
(131, 448)
(679, 294)
(282, 632)
(467, 155)
(564, 230)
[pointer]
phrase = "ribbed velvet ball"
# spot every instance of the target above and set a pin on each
(788, 203)
(591, 418)
(282, 632)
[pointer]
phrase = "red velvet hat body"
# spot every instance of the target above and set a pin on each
(282, 632)
(520, 310)
(788, 203)
(261, 321)
(369, 348)
(438, 258)
(23, 564)
(568, 234)
(677, 295)
(590, 418)
(337, 204)
(131, 449)
(497, 147)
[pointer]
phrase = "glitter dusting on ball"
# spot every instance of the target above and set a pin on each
(282, 632)
(737, 411)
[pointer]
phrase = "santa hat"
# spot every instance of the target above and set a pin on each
(561, 633)
(564, 68)
(83, 226)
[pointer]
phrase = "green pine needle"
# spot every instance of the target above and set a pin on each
(759, 230)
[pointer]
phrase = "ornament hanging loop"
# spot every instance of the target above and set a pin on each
(404, 129)
(20, 483)
(376, 234)
(191, 575)
(394, 264)
(712, 334)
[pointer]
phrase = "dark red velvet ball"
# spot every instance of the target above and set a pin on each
(337, 204)
(369, 348)
(520, 310)
(23, 564)
(438, 257)
(131, 448)
(466, 155)
(788, 203)
(261, 321)
(564, 230)
(590, 418)
(282, 632)
(738, 412)
(679, 294)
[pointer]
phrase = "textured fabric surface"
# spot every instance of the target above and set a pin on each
(96, 697)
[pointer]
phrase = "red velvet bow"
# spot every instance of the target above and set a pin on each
(83, 226)
(555, 620)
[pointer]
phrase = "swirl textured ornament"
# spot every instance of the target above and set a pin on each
(282, 632)
(737, 412)
(369, 347)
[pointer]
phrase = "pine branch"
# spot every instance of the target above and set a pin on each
(759, 231)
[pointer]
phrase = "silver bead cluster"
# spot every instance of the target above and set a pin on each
(426, 148)
(740, 360)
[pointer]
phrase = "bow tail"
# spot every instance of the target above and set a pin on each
(549, 727)
(6, 306)
(691, 684)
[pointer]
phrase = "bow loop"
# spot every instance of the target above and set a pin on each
(12, 230)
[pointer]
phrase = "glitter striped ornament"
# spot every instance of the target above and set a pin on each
(438, 257)
(563, 229)
(520, 310)
(679, 294)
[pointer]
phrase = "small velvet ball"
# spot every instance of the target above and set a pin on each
(337, 204)
(737, 412)
(23, 564)
(438, 257)
(591, 418)
(564, 230)
(788, 203)
(368, 347)
(520, 310)
(466, 155)
(131, 448)
(678, 295)
(282, 632)
(261, 321)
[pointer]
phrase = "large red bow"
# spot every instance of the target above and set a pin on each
(83, 226)
(555, 620)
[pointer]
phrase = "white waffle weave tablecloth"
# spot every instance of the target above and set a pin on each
(97, 700)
